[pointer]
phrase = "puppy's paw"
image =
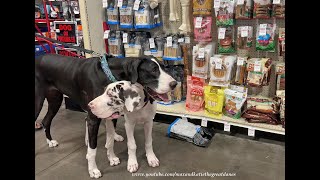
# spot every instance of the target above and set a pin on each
(152, 160)
(95, 173)
(118, 137)
(132, 165)
(114, 160)
(52, 143)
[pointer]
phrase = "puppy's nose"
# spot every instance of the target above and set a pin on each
(173, 84)
(91, 105)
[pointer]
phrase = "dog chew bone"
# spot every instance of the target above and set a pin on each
(172, 15)
(175, 4)
(185, 26)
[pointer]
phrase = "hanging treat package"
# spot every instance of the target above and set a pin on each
(115, 44)
(235, 98)
(258, 72)
(281, 101)
(202, 7)
(278, 9)
(225, 40)
(195, 94)
(178, 74)
(200, 60)
(281, 42)
(241, 72)
(265, 37)
(280, 71)
(172, 50)
(202, 29)
(142, 16)
(244, 9)
(214, 99)
(157, 17)
(126, 14)
(112, 12)
(224, 12)
(221, 67)
(133, 47)
(244, 37)
(154, 47)
(262, 9)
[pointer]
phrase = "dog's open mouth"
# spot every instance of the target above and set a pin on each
(115, 115)
(157, 96)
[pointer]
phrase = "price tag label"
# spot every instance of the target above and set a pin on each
(151, 42)
(104, 3)
(125, 38)
(57, 30)
(226, 127)
(251, 131)
(221, 33)
(218, 63)
(136, 5)
(276, 2)
(106, 34)
(244, 31)
(169, 41)
(257, 66)
(240, 2)
(216, 4)
(198, 22)
(201, 53)
(262, 29)
(240, 61)
(187, 40)
(181, 40)
(204, 122)
(120, 3)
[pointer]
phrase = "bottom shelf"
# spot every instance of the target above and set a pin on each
(179, 109)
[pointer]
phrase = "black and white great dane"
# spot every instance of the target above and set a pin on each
(82, 80)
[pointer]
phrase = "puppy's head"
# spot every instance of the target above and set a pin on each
(117, 96)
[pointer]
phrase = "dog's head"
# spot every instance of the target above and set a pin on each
(117, 96)
(150, 73)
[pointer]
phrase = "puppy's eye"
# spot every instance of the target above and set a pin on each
(155, 69)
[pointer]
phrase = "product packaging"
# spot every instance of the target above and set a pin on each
(195, 94)
(278, 9)
(241, 72)
(280, 71)
(214, 99)
(172, 49)
(265, 37)
(281, 100)
(133, 48)
(112, 12)
(244, 37)
(262, 9)
(126, 14)
(115, 44)
(244, 9)
(201, 55)
(259, 70)
(202, 7)
(221, 67)
(203, 33)
(281, 42)
(154, 47)
(235, 98)
(225, 40)
(225, 13)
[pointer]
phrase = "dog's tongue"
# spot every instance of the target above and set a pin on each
(115, 115)
(164, 97)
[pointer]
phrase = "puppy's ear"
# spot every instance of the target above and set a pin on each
(131, 69)
(131, 99)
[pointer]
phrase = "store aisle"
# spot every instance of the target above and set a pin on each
(250, 160)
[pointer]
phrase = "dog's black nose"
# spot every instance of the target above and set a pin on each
(173, 84)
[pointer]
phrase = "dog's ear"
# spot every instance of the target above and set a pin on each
(131, 99)
(131, 69)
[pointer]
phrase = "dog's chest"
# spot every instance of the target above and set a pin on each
(142, 115)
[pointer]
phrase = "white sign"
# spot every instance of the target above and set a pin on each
(221, 33)
(226, 127)
(169, 41)
(187, 40)
(218, 63)
(125, 38)
(151, 42)
(240, 2)
(257, 66)
(251, 131)
(120, 3)
(181, 40)
(240, 61)
(106, 34)
(216, 4)
(136, 5)
(244, 31)
(201, 53)
(204, 122)
(276, 2)
(198, 22)
(104, 3)
(262, 29)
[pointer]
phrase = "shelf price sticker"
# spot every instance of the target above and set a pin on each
(125, 38)
(216, 4)
(262, 29)
(201, 53)
(204, 122)
(244, 31)
(251, 131)
(198, 22)
(276, 2)
(104, 3)
(181, 40)
(221, 33)
(240, 61)
(240, 2)
(187, 40)
(257, 66)
(151, 42)
(136, 5)
(106, 34)
(120, 3)
(226, 127)
(169, 41)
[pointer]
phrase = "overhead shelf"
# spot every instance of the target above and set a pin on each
(179, 109)
(45, 21)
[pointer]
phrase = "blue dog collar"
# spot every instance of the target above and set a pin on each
(106, 69)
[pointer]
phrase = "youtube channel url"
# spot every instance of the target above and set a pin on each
(192, 174)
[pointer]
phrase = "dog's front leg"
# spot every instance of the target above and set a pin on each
(152, 159)
(132, 147)
(93, 127)
(113, 159)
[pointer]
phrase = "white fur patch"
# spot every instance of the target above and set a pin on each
(163, 80)
(92, 166)
(52, 143)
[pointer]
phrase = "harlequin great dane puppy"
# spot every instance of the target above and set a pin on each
(83, 80)
(138, 107)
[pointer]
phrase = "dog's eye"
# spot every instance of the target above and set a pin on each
(155, 69)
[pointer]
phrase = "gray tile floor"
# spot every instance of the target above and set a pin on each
(250, 160)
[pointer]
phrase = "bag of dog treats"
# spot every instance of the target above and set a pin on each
(202, 33)
(115, 44)
(172, 49)
(278, 9)
(280, 71)
(241, 72)
(145, 17)
(112, 12)
(195, 94)
(221, 67)
(214, 99)
(244, 37)
(134, 48)
(258, 72)
(225, 12)
(265, 37)
(225, 40)
(281, 95)
(202, 7)
(262, 9)
(154, 47)
(234, 101)
(126, 14)
(201, 56)
(244, 9)
(281, 42)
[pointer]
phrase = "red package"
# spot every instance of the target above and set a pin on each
(195, 94)
(202, 32)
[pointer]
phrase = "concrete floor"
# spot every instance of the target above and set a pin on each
(250, 160)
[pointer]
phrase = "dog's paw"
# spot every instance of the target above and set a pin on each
(52, 143)
(132, 165)
(95, 173)
(114, 160)
(118, 137)
(152, 160)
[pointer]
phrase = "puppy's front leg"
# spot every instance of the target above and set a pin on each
(152, 159)
(132, 147)
(113, 159)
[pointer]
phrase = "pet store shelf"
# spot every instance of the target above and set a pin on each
(179, 109)
(45, 21)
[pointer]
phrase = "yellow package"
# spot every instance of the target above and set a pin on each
(214, 99)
